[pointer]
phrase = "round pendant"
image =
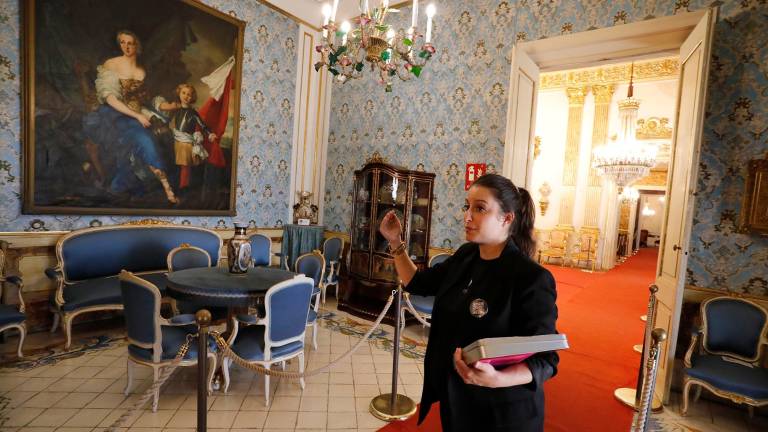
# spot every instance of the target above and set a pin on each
(478, 308)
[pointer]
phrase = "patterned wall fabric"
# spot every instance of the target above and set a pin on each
(266, 124)
(455, 113)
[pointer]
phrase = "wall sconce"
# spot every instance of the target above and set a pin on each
(536, 147)
(544, 190)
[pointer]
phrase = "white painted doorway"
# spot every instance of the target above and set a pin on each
(689, 35)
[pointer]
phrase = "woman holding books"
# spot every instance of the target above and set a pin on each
(489, 288)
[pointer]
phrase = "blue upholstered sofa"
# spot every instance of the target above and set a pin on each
(90, 259)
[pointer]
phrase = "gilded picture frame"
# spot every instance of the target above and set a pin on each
(130, 107)
(754, 208)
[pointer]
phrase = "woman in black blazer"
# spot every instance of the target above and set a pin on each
(489, 288)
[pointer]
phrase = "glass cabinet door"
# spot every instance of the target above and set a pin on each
(391, 196)
(419, 217)
(362, 218)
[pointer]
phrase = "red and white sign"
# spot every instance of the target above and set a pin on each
(474, 171)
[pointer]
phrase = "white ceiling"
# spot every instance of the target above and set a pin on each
(310, 10)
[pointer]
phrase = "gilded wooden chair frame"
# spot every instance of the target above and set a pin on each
(586, 253)
(333, 270)
(560, 249)
(315, 303)
(755, 361)
(20, 326)
(157, 362)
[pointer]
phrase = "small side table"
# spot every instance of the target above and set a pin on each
(298, 240)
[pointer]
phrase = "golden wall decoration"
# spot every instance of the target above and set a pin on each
(536, 147)
(653, 128)
(655, 70)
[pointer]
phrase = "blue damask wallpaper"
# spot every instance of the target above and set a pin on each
(455, 113)
(266, 124)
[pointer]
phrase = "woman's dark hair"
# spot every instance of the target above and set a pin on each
(517, 200)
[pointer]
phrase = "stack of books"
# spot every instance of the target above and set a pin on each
(509, 350)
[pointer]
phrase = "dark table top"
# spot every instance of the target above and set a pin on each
(216, 286)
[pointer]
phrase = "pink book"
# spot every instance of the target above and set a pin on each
(510, 350)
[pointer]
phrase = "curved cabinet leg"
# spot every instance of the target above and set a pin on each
(212, 360)
(129, 382)
(686, 389)
(301, 369)
(56, 320)
(66, 324)
(225, 371)
(22, 335)
(266, 386)
(156, 393)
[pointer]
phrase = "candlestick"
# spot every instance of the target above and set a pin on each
(333, 12)
(345, 27)
(326, 18)
(430, 14)
(415, 13)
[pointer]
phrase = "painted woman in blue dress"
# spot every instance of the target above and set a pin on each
(119, 128)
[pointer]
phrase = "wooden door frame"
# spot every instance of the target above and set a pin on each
(645, 39)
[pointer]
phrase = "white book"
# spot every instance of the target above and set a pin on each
(508, 350)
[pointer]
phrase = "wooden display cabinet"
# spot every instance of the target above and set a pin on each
(371, 276)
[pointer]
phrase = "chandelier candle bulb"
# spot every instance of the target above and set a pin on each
(415, 14)
(326, 18)
(345, 27)
(333, 12)
(430, 14)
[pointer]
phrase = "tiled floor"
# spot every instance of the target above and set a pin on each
(85, 393)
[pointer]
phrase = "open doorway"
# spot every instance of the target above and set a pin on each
(690, 37)
(578, 111)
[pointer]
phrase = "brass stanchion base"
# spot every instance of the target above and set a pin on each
(638, 348)
(382, 409)
(626, 396)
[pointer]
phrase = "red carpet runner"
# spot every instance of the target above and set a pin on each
(600, 313)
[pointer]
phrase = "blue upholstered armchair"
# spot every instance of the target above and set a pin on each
(332, 249)
(277, 337)
(187, 257)
(424, 304)
(312, 265)
(12, 317)
(728, 361)
(152, 340)
(261, 250)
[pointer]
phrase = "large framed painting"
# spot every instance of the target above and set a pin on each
(130, 107)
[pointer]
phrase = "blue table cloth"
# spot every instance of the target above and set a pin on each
(298, 240)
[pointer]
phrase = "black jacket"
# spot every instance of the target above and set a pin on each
(520, 295)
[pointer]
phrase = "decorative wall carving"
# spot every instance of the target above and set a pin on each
(667, 68)
(545, 189)
(653, 128)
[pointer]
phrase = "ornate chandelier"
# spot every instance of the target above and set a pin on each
(372, 40)
(625, 160)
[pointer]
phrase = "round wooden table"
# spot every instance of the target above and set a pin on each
(216, 286)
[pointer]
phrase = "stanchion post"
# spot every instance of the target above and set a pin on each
(394, 406)
(203, 318)
(631, 396)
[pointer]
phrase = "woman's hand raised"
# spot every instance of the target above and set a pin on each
(391, 228)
